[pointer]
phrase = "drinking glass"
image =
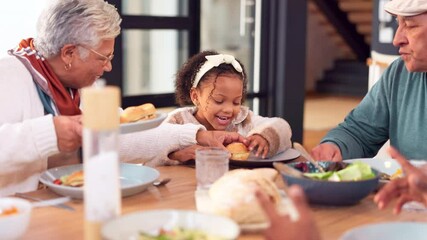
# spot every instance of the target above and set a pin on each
(211, 164)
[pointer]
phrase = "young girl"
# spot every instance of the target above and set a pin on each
(216, 85)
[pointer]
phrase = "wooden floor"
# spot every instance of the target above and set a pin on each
(312, 138)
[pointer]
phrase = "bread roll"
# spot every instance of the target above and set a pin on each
(238, 151)
(233, 195)
(135, 113)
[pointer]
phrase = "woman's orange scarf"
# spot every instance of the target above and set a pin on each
(66, 100)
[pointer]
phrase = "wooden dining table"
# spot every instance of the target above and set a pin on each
(56, 223)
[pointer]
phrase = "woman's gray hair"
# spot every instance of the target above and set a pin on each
(84, 22)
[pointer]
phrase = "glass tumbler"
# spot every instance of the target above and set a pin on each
(211, 164)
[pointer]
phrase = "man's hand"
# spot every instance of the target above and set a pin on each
(218, 138)
(68, 132)
(327, 152)
(281, 227)
(412, 187)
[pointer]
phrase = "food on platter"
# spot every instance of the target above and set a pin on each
(238, 151)
(340, 172)
(233, 195)
(74, 179)
(136, 113)
(178, 233)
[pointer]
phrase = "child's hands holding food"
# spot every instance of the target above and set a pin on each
(259, 144)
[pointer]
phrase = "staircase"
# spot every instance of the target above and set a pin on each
(348, 76)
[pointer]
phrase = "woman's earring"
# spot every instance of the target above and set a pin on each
(67, 66)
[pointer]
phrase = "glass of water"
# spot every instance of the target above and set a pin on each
(211, 164)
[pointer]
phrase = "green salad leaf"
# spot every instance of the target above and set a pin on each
(354, 172)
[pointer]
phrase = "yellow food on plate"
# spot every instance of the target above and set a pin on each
(238, 151)
(75, 179)
(136, 113)
(397, 174)
(233, 195)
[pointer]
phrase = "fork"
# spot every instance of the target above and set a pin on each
(56, 202)
(307, 156)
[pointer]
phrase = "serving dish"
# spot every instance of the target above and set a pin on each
(14, 224)
(143, 124)
(254, 162)
(388, 230)
(133, 179)
(325, 192)
(129, 226)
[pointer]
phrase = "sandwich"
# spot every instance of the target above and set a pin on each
(233, 195)
(75, 179)
(135, 113)
(238, 151)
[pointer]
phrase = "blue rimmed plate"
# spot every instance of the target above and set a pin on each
(133, 179)
(389, 231)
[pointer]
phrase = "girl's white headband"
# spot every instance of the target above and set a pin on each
(214, 61)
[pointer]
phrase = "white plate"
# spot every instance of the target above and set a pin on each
(128, 226)
(133, 179)
(389, 231)
(388, 166)
(143, 124)
(253, 161)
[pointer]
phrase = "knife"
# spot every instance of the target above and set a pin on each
(57, 202)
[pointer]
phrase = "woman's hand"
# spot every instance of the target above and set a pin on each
(218, 138)
(68, 131)
(183, 155)
(259, 143)
(412, 187)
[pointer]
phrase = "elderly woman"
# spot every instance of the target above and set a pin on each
(40, 82)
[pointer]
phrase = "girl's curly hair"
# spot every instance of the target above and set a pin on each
(185, 77)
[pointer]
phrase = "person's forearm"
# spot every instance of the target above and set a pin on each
(30, 140)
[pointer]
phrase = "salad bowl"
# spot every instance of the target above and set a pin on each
(341, 189)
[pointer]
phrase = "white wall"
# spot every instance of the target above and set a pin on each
(18, 19)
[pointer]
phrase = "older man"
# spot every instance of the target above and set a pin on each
(395, 108)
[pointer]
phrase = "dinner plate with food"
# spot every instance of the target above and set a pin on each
(68, 180)
(170, 224)
(242, 157)
(139, 118)
(388, 168)
(233, 196)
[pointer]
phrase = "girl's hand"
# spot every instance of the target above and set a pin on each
(185, 154)
(259, 143)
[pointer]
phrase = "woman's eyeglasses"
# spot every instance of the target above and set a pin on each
(106, 59)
